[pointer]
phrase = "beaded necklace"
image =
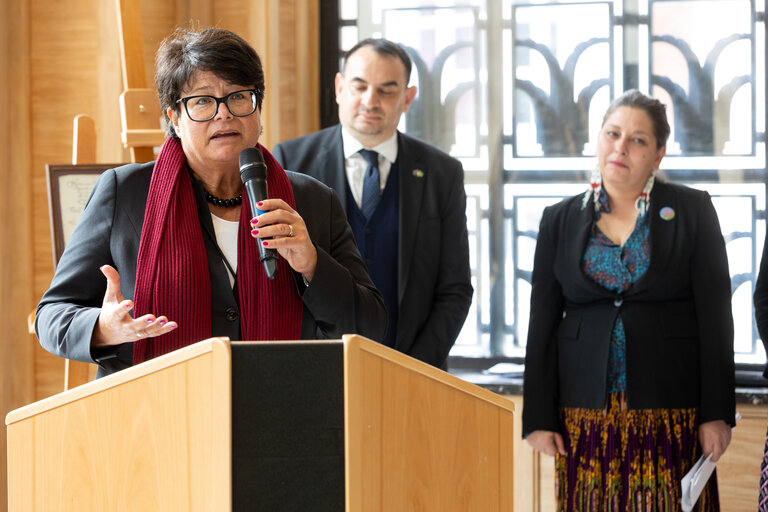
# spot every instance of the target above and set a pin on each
(226, 203)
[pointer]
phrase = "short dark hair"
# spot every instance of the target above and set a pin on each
(186, 51)
(655, 109)
(384, 47)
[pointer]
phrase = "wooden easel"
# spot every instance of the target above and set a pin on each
(139, 107)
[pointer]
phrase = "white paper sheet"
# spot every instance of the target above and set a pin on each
(694, 481)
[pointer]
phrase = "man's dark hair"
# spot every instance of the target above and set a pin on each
(186, 51)
(384, 47)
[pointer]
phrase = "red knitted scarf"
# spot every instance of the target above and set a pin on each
(172, 270)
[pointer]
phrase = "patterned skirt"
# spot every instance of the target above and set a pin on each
(628, 460)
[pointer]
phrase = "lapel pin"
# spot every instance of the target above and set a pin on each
(418, 173)
(667, 213)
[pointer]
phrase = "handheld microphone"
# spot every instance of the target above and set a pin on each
(253, 172)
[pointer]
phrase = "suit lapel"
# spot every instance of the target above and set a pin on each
(410, 192)
(663, 234)
(578, 231)
(330, 164)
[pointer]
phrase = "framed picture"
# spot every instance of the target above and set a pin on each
(69, 187)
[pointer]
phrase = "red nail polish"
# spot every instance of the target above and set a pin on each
(260, 203)
(265, 243)
(254, 232)
(254, 220)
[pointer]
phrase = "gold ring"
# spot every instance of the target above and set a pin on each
(290, 230)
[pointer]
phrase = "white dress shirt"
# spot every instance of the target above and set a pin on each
(226, 238)
(356, 165)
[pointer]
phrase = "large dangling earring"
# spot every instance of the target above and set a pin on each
(595, 185)
(644, 199)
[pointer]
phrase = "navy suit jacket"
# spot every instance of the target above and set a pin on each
(434, 284)
(677, 316)
(340, 300)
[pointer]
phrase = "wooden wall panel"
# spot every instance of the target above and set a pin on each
(738, 472)
(16, 347)
(287, 41)
(235, 15)
(64, 83)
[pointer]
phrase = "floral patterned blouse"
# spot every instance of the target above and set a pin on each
(615, 268)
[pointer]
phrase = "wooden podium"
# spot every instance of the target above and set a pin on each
(316, 425)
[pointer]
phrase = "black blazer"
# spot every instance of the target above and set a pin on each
(677, 317)
(434, 284)
(340, 300)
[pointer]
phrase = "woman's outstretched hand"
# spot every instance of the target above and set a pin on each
(116, 325)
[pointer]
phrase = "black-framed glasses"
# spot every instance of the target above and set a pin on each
(203, 108)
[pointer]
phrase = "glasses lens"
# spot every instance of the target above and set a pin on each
(242, 103)
(201, 108)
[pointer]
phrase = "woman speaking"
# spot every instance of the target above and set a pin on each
(166, 253)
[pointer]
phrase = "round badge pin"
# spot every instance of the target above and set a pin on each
(667, 213)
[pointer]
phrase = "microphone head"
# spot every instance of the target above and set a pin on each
(252, 165)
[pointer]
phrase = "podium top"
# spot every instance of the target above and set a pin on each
(354, 342)
(353, 345)
(218, 346)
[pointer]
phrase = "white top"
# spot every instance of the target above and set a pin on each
(226, 238)
(356, 165)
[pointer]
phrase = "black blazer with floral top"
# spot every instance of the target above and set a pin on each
(677, 316)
